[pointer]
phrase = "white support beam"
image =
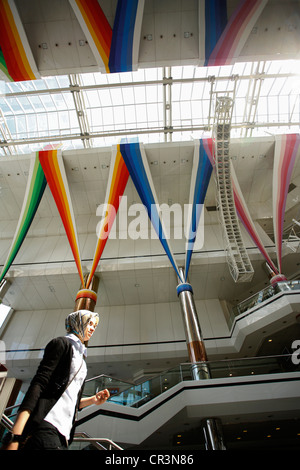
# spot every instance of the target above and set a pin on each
(252, 98)
(167, 103)
(5, 136)
(78, 98)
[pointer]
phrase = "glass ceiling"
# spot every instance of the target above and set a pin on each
(108, 106)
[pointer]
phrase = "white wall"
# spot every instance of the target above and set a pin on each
(119, 325)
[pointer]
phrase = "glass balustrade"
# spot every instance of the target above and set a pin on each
(261, 296)
(138, 394)
(115, 386)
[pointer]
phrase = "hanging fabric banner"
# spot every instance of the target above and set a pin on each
(54, 170)
(19, 60)
(96, 28)
(137, 164)
(3, 69)
(116, 48)
(126, 36)
(213, 19)
(286, 148)
(34, 191)
(222, 41)
(200, 178)
(117, 181)
(246, 219)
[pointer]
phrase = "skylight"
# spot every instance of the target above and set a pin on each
(105, 107)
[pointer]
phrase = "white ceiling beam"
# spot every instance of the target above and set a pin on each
(134, 132)
(163, 81)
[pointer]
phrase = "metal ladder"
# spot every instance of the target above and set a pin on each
(237, 257)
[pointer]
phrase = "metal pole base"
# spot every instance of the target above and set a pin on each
(86, 299)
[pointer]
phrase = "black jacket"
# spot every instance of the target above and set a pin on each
(49, 383)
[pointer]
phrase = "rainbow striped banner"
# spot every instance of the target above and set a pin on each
(117, 181)
(126, 36)
(3, 69)
(222, 41)
(34, 191)
(17, 56)
(200, 178)
(286, 148)
(138, 167)
(54, 170)
(246, 219)
(95, 27)
(116, 48)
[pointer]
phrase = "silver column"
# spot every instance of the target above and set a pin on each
(213, 434)
(194, 340)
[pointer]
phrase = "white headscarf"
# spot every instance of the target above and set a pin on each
(76, 322)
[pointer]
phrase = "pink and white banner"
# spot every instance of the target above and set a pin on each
(246, 219)
(286, 148)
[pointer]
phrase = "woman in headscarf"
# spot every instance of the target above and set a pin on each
(46, 416)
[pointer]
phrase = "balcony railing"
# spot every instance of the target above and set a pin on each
(138, 394)
(265, 294)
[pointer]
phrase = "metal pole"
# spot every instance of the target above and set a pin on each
(213, 434)
(194, 339)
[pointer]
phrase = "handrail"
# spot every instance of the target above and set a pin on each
(96, 441)
(6, 422)
(110, 378)
(237, 359)
(78, 437)
(16, 405)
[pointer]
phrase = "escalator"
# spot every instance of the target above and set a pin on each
(136, 411)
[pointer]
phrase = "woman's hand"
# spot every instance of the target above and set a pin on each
(98, 399)
(101, 397)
